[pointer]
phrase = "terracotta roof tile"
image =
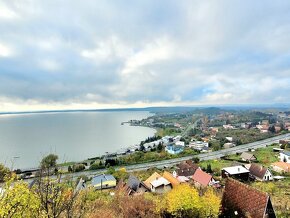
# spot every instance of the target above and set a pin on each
(283, 165)
(258, 170)
(171, 179)
(244, 199)
(201, 177)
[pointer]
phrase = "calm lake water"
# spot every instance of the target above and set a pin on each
(74, 136)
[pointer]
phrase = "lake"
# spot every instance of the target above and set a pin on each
(73, 136)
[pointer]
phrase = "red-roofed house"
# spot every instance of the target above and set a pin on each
(241, 200)
(201, 178)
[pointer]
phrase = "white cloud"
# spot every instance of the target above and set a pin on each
(7, 13)
(160, 49)
(5, 51)
(108, 49)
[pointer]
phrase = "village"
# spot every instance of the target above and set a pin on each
(243, 172)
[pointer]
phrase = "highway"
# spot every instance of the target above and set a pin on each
(203, 156)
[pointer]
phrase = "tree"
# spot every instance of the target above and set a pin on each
(49, 161)
(272, 129)
(183, 201)
(111, 170)
(70, 169)
(4, 171)
(159, 147)
(142, 147)
(208, 168)
(210, 204)
(18, 201)
(79, 167)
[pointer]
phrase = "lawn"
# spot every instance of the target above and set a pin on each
(266, 156)
(216, 165)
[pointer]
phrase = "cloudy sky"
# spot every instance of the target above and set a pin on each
(101, 54)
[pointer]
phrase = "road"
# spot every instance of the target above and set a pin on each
(204, 156)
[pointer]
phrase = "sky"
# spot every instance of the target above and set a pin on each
(65, 54)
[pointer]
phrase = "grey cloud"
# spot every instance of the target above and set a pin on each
(125, 52)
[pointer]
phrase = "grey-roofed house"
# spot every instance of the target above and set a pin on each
(104, 181)
(136, 185)
(245, 156)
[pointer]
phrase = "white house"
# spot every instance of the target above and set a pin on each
(198, 145)
(260, 173)
(285, 156)
(180, 143)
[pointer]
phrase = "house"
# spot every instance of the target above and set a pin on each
(174, 149)
(263, 128)
(186, 168)
(229, 145)
(160, 185)
(281, 167)
(241, 200)
(245, 156)
(285, 156)
(157, 183)
(103, 181)
(260, 173)
(198, 145)
(237, 172)
(277, 128)
(202, 179)
(133, 187)
(173, 180)
(180, 143)
(228, 126)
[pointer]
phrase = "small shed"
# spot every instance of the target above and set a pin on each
(249, 157)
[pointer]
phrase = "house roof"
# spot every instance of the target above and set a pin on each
(236, 170)
(182, 178)
(131, 186)
(159, 181)
(102, 178)
(258, 170)
(201, 177)
(174, 181)
(153, 177)
(133, 182)
(186, 168)
(283, 165)
(248, 156)
(244, 199)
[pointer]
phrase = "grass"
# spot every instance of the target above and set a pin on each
(216, 165)
(266, 156)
